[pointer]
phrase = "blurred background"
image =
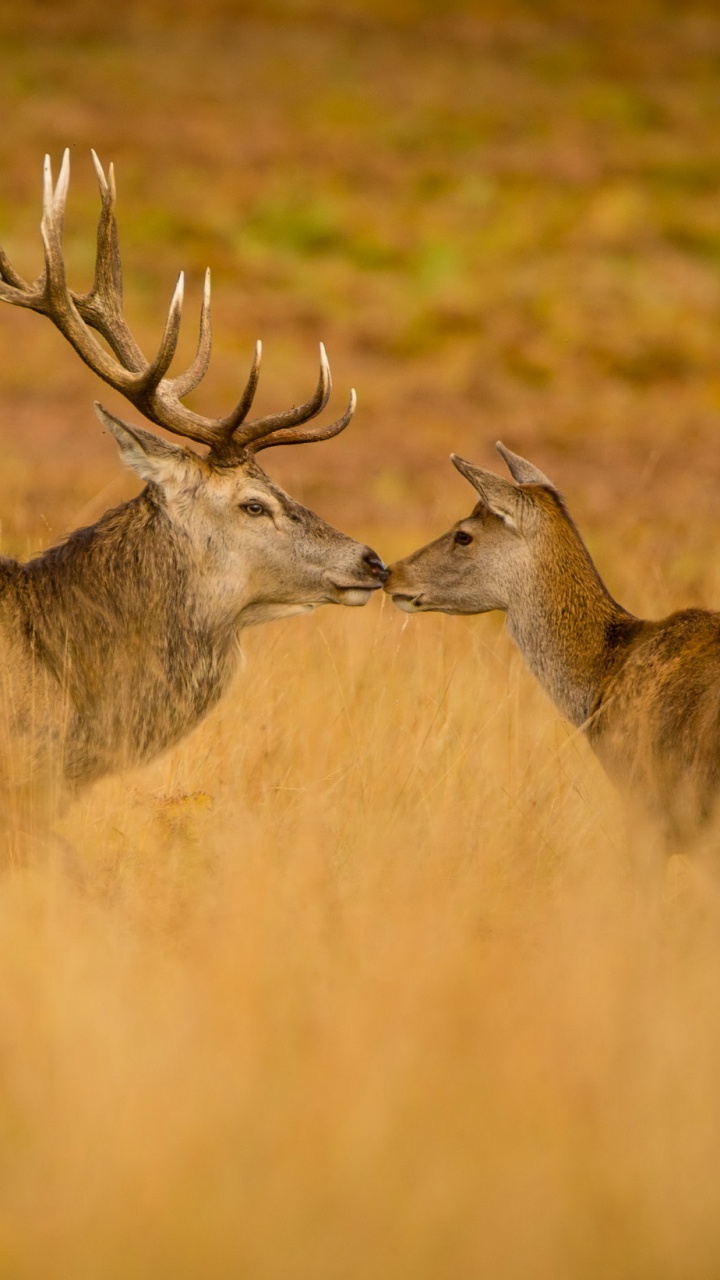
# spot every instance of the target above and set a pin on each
(501, 218)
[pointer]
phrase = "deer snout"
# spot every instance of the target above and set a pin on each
(404, 596)
(368, 575)
(375, 565)
(393, 577)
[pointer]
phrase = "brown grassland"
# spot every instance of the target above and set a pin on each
(366, 979)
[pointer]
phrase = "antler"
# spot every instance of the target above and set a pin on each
(143, 382)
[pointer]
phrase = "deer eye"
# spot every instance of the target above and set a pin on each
(463, 538)
(253, 508)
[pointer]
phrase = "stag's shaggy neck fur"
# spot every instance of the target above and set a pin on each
(112, 619)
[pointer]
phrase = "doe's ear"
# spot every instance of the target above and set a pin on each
(522, 470)
(498, 495)
(151, 458)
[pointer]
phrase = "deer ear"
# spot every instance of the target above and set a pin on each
(520, 469)
(151, 458)
(498, 495)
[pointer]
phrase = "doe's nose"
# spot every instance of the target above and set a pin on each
(375, 565)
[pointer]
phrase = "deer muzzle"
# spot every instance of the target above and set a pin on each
(373, 575)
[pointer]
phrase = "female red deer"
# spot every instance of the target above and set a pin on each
(116, 643)
(646, 694)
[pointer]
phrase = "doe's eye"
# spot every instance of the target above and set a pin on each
(253, 508)
(463, 538)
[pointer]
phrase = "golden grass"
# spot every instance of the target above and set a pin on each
(364, 979)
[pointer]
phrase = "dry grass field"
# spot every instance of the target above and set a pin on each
(368, 977)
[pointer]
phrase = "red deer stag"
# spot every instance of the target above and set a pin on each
(116, 643)
(645, 694)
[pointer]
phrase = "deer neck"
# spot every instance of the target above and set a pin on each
(566, 623)
(115, 616)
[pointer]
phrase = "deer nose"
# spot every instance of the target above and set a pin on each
(375, 565)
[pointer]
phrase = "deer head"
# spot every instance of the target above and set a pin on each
(486, 560)
(258, 553)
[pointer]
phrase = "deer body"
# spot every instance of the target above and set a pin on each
(646, 694)
(116, 643)
(656, 725)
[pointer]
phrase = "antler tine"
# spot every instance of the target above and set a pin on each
(156, 371)
(188, 380)
(59, 198)
(48, 187)
(260, 427)
(230, 424)
(13, 288)
(53, 220)
(108, 268)
(9, 278)
(50, 294)
(105, 183)
(51, 226)
(102, 306)
(290, 436)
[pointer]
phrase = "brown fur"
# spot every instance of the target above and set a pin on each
(116, 643)
(646, 694)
